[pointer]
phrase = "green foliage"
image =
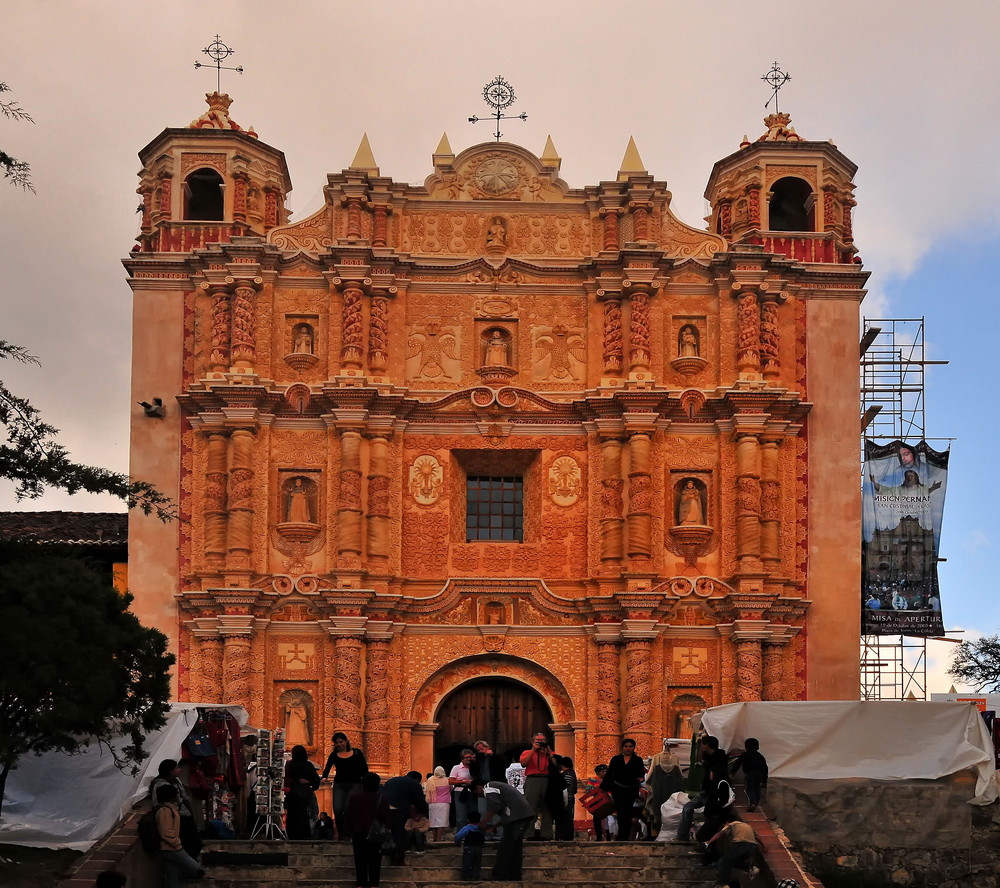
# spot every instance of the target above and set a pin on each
(78, 666)
(977, 663)
(15, 171)
(33, 460)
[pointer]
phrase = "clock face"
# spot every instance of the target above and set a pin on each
(497, 176)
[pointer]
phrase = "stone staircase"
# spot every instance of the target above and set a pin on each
(554, 864)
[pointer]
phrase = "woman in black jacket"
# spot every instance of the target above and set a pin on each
(622, 780)
(302, 781)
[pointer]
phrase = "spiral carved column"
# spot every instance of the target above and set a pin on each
(608, 734)
(378, 331)
(349, 500)
(747, 332)
(770, 505)
(240, 528)
(611, 231)
(748, 535)
(347, 684)
(640, 499)
(769, 338)
(236, 666)
(378, 504)
(245, 323)
(352, 327)
(640, 219)
(748, 670)
(613, 354)
(205, 682)
(774, 671)
(380, 224)
(638, 693)
(638, 327)
(377, 703)
(612, 523)
(216, 517)
(219, 355)
(726, 218)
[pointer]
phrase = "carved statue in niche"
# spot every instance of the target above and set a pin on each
(690, 503)
(297, 710)
(432, 352)
(497, 347)
(493, 613)
(688, 342)
(303, 343)
(496, 234)
(300, 500)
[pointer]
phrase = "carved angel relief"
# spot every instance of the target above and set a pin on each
(426, 482)
(432, 352)
(560, 354)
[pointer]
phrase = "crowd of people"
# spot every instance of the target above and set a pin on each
(486, 798)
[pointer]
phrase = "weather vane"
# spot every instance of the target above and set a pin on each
(499, 94)
(217, 51)
(776, 78)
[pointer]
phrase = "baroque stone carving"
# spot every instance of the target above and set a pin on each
(426, 479)
(433, 353)
(560, 354)
(565, 481)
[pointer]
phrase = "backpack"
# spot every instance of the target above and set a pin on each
(149, 832)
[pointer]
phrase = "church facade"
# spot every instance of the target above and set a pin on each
(494, 453)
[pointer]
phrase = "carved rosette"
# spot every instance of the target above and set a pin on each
(236, 669)
(613, 354)
(748, 670)
(774, 672)
(221, 322)
(426, 480)
(347, 684)
(241, 475)
(244, 323)
(377, 703)
(638, 692)
(608, 734)
(216, 519)
(748, 334)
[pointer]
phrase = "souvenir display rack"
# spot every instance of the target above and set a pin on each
(269, 796)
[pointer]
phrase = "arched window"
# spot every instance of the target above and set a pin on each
(792, 206)
(203, 199)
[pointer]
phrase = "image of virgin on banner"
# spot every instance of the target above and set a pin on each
(902, 501)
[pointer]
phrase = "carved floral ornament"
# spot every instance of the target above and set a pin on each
(565, 481)
(426, 480)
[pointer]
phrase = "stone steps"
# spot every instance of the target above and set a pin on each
(556, 864)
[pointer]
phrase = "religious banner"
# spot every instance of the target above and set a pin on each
(902, 502)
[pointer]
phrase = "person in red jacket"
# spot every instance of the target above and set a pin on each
(535, 762)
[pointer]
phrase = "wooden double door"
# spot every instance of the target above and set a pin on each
(505, 713)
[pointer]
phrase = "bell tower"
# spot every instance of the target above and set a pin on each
(791, 196)
(209, 182)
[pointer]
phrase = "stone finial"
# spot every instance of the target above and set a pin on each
(550, 156)
(631, 163)
(778, 129)
(364, 159)
(443, 153)
(217, 115)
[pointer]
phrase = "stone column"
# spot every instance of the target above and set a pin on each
(270, 207)
(241, 477)
(611, 232)
(753, 205)
(608, 690)
(613, 354)
(240, 197)
(349, 500)
(638, 692)
(237, 632)
(377, 699)
(219, 355)
(727, 665)
(640, 219)
(353, 217)
(245, 323)
(216, 517)
(726, 218)
(770, 359)
(747, 332)
(638, 327)
(166, 197)
(205, 682)
(380, 224)
(378, 517)
(770, 505)
(748, 501)
(774, 670)
(748, 669)
(347, 683)
(378, 331)
(612, 523)
(352, 331)
(640, 501)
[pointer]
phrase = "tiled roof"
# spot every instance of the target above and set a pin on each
(76, 528)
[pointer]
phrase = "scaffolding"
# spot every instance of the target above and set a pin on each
(893, 667)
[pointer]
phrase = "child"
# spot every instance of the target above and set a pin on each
(323, 828)
(754, 767)
(471, 838)
(739, 851)
(416, 831)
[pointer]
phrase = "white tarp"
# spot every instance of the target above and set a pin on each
(69, 801)
(875, 740)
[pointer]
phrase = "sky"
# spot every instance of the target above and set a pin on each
(907, 90)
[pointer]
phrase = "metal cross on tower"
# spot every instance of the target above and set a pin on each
(499, 94)
(217, 51)
(775, 78)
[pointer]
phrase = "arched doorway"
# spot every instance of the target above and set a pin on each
(503, 712)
